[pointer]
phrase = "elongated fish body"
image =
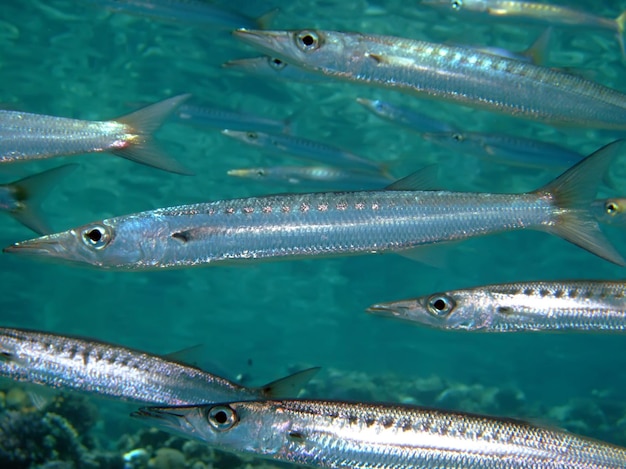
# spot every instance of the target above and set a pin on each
(610, 211)
(331, 224)
(306, 149)
(26, 137)
(576, 306)
(507, 149)
(405, 116)
(321, 175)
(458, 74)
(381, 436)
(108, 370)
(226, 119)
(191, 12)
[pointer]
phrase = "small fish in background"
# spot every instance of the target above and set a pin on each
(407, 117)
(21, 199)
(560, 306)
(336, 434)
(506, 149)
(306, 149)
(188, 12)
(107, 370)
(272, 67)
(220, 118)
(325, 176)
(322, 224)
(610, 211)
(536, 12)
(473, 78)
(26, 137)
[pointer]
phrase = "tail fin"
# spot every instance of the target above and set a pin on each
(620, 21)
(144, 122)
(572, 193)
(289, 386)
(30, 191)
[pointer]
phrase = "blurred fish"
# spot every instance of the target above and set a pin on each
(506, 149)
(566, 306)
(191, 12)
(323, 224)
(306, 149)
(272, 67)
(405, 116)
(537, 12)
(108, 370)
(21, 199)
(472, 78)
(226, 119)
(610, 211)
(325, 175)
(26, 137)
(335, 434)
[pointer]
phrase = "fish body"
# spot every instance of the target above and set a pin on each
(323, 224)
(578, 306)
(381, 436)
(507, 149)
(108, 370)
(462, 75)
(21, 199)
(225, 119)
(26, 137)
(306, 149)
(405, 116)
(321, 175)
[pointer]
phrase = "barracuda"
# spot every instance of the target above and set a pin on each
(459, 74)
(380, 436)
(582, 305)
(109, 370)
(326, 224)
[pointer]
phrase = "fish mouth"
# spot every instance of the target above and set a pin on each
(40, 247)
(267, 41)
(383, 309)
(163, 414)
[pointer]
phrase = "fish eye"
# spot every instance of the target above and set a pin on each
(440, 305)
(611, 207)
(456, 4)
(252, 135)
(458, 137)
(260, 172)
(96, 236)
(307, 40)
(222, 418)
(276, 64)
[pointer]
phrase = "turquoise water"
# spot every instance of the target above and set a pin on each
(78, 60)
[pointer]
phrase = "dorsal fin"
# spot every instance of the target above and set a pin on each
(424, 179)
(289, 386)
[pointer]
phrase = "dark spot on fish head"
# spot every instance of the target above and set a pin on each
(260, 172)
(181, 236)
(307, 40)
(456, 4)
(296, 436)
(96, 236)
(276, 63)
(252, 135)
(440, 304)
(612, 207)
(458, 137)
(222, 417)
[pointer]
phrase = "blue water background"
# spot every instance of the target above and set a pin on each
(74, 59)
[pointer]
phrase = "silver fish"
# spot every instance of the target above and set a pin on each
(21, 199)
(108, 370)
(272, 67)
(579, 306)
(310, 150)
(507, 149)
(319, 175)
(405, 116)
(381, 436)
(459, 74)
(610, 211)
(26, 137)
(289, 226)
(556, 15)
(226, 119)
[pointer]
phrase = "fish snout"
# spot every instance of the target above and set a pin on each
(387, 310)
(37, 247)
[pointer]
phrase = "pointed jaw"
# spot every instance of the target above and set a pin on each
(274, 43)
(384, 310)
(177, 419)
(50, 246)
